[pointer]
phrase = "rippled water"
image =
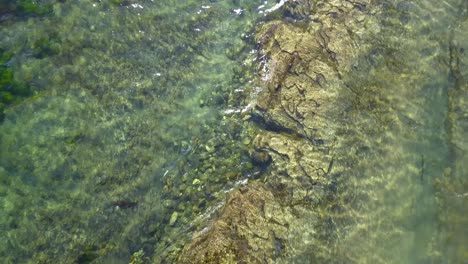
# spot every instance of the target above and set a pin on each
(126, 138)
(124, 125)
(399, 191)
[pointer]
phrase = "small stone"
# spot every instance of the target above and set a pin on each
(260, 157)
(209, 149)
(168, 203)
(173, 218)
(196, 182)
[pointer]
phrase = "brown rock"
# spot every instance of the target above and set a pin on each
(250, 229)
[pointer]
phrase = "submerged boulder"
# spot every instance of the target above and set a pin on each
(340, 119)
(297, 113)
(251, 228)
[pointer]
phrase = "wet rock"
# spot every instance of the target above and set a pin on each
(251, 228)
(260, 157)
(453, 185)
(173, 219)
(298, 113)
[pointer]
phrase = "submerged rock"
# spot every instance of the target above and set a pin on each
(251, 228)
(350, 96)
(298, 111)
(173, 218)
(260, 157)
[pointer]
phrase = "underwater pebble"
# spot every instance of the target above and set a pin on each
(260, 157)
(173, 218)
(196, 181)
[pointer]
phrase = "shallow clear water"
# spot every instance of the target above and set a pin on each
(126, 112)
(398, 193)
(126, 141)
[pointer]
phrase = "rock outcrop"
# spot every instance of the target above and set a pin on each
(251, 228)
(298, 111)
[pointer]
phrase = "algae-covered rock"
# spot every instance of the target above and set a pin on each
(304, 93)
(351, 104)
(297, 111)
(361, 113)
(303, 67)
(302, 102)
(251, 228)
(452, 186)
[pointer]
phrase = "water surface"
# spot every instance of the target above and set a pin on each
(399, 191)
(124, 126)
(126, 137)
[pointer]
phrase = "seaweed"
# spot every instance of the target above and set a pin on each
(35, 8)
(25, 8)
(11, 91)
(46, 46)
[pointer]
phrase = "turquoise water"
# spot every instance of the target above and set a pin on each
(127, 138)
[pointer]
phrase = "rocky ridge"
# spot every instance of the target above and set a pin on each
(298, 110)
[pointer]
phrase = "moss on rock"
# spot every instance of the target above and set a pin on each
(251, 228)
(26, 8)
(11, 91)
(297, 110)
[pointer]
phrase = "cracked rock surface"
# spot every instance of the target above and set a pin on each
(361, 117)
(251, 228)
(299, 107)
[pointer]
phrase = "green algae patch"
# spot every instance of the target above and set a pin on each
(32, 7)
(26, 8)
(11, 91)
